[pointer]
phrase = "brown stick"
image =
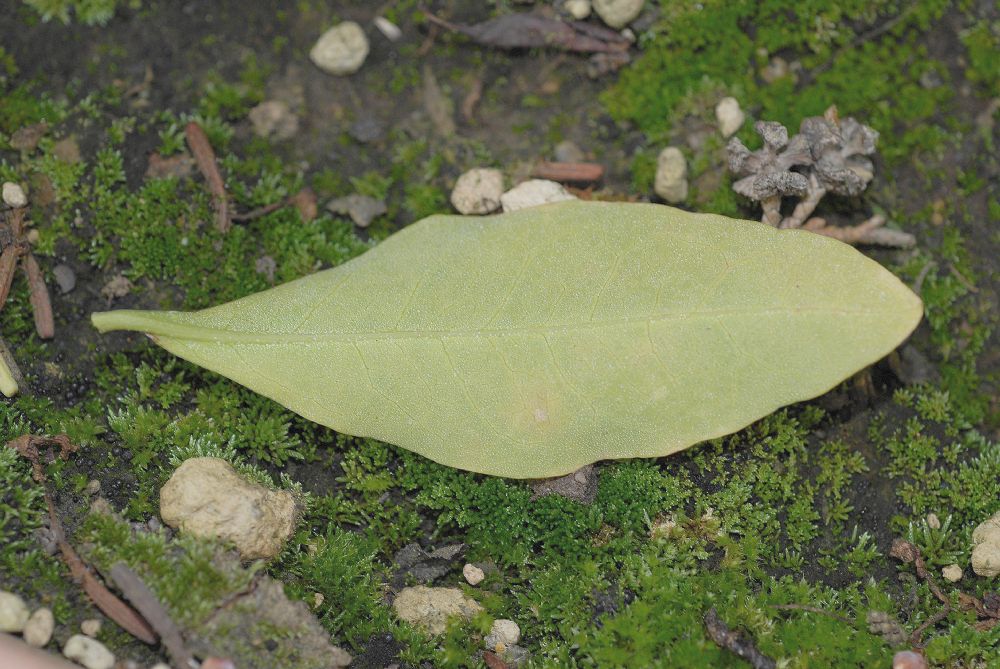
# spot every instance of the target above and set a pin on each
(868, 232)
(8, 265)
(569, 172)
(204, 157)
(41, 305)
(736, 643)
(149, 606)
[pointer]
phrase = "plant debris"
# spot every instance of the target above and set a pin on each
(829, 155)
(568, 172)
(204, 157)
(529, 30)
(15, 245)
(735, 642)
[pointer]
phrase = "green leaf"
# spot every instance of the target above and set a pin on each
(532, 343)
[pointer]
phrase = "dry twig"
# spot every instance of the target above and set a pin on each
(149, 606)
(568, 172)
(204, 157)
(735, 642)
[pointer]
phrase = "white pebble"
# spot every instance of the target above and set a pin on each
(14, 612)
(91, 627)
(503, 633)
(532, 193)
(478, 191)
(91, 653)
(729, 115)
(578, 9)
(473, 574)
(13, 195)
(618, 13)
(671, 175)
(341, 50)
(38, 630)
(388, 28)
(952, 573)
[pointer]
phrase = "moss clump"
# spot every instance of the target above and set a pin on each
(90, 12)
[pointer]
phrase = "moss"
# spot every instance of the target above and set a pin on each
(89, 12)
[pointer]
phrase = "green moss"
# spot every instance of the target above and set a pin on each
(89, 12)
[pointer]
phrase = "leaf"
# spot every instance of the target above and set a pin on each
(532, 343)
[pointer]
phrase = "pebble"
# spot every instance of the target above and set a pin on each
(729, 115)
(907, 659)
(274, 118)
(952, 573)
(65, 277)
(532, 193)
(388, 28)
(473, 574)
(429, 608)
(986, 550)
(13, 195)
(578, 9)
(38, 630)
(478, 191)
(206, 497)
(618, 13)
(365, 130)
(514, 656)
(363, 209)
(777, 68)
(14, 612)
(341, 50)
(89, 652)
(503, 634)
(91, 627)
(671, 175)
(933, 521)
(568, 152)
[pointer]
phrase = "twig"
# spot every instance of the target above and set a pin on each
(113, 607)
(869, 232)
(811, 609)
(906, 552)
(962, 280)
(143, 599)
(735, 642)
(204, 157)
(41, 305)
(806, 205)
(568, 172)
(918, 283)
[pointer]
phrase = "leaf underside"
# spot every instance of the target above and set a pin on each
(532, 343)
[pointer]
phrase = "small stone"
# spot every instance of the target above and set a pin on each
(92, 488)
(986, 550)
(503, 634)
(618, 13)
(729, 115)
(429, 608)
(13, 195)
(907, 659)
(65, 277)
(67, 150)
(38, 630)
(578, 9)
(671, 175)
(473, 574)
(363, 209)
(267, 266)
(776, 69)
(388, 28)
(274, 118)
(341, 50)
(952, 573)
(568, 152)
(478, 191)
(933, 521)
(118, 286)
(206, 497)
(532, 193)
(160, 665)
(365, 130)
(14, 612)
(27, 138)
(91, 627)
(91, 653)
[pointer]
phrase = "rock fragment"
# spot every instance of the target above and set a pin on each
(430, 608)
(38, 630)
(952, 573)
(578, 9)
(341, 50)
(14, 612)
(986, 551)
(618, 13)
(274, 118)
(671, 175)
(13, 195)
(91, 653)
(478, 191)
(206, 497)
(363, 209)
(65, 277)
(729, 115)
(503, 634)
(532, 193)
(473, 574)
(91, 627)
